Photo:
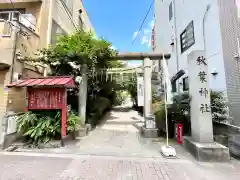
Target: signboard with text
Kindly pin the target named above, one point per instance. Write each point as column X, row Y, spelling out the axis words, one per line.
column 46, row 98
column 200, row 111
column 140, row 91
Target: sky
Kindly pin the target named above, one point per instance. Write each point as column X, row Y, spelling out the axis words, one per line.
column 118, row 21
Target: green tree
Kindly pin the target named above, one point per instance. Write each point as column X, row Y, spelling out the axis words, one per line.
column 131, row 86
column 78, row 49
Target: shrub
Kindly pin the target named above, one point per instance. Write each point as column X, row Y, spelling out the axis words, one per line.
column 159, row 112
column 218, row 107
column 41, row 128
column 180, row 110
column 181, row 105
column 96, row 111
column 74, row 122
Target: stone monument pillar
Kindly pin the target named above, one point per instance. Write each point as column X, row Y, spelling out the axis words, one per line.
column 201, row 143
column 200, row 111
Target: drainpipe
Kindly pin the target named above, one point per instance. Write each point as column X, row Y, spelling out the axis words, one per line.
column 14, row 33
column 203, row 26
column 49, row 30
column 176, row 38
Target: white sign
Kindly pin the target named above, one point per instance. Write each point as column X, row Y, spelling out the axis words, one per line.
column 140, row 91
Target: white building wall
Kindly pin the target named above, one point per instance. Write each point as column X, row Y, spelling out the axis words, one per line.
column 187, row 11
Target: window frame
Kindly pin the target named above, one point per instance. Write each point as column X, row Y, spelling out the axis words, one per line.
column 170, row 11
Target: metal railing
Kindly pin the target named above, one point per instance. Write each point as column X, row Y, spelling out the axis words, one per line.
column 14, row 19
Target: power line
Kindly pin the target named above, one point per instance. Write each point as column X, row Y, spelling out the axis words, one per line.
column 143, row 22
column 12, row 4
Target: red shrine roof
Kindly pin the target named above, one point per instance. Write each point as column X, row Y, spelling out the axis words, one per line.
column 49, row 81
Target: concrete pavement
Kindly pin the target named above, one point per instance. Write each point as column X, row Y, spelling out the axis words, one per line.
column 112, row 151
column 37, row 166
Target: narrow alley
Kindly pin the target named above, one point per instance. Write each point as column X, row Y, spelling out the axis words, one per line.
column 114, row 151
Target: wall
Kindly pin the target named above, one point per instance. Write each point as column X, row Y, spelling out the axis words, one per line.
column 230, row 33
column 61, row 17
column 87, row 23
column 186, row 11
column 4, row 78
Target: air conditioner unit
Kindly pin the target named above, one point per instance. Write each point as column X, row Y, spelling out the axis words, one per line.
column 28, row 20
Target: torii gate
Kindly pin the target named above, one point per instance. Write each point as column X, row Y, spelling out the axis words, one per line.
column 124, row 56
column 147, row 58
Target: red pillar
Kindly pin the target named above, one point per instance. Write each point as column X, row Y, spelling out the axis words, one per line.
column 64, row 116
column 64, row 121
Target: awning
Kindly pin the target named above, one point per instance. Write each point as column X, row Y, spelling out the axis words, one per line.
column 50, row 81
column 177, row 76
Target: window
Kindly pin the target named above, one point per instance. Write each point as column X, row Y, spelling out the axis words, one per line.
column 4, row 15
column 187, row 37
column 80, row 22
column 174, row 87
column 170, row 11
column 56, row 32
column 185, row 84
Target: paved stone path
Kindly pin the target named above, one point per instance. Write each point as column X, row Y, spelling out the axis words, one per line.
column 113, row 151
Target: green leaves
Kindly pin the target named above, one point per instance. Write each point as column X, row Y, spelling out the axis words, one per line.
column 44, row 126
column 218, row 105
column 74, row 122
column 79, row 48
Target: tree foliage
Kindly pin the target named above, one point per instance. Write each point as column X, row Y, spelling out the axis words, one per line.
column 67, row 57
column 75, row 50
column 181, row 105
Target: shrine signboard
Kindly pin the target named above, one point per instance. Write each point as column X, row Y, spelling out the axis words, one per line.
column 46, row 93
column 200, row 107
column 47, row 98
